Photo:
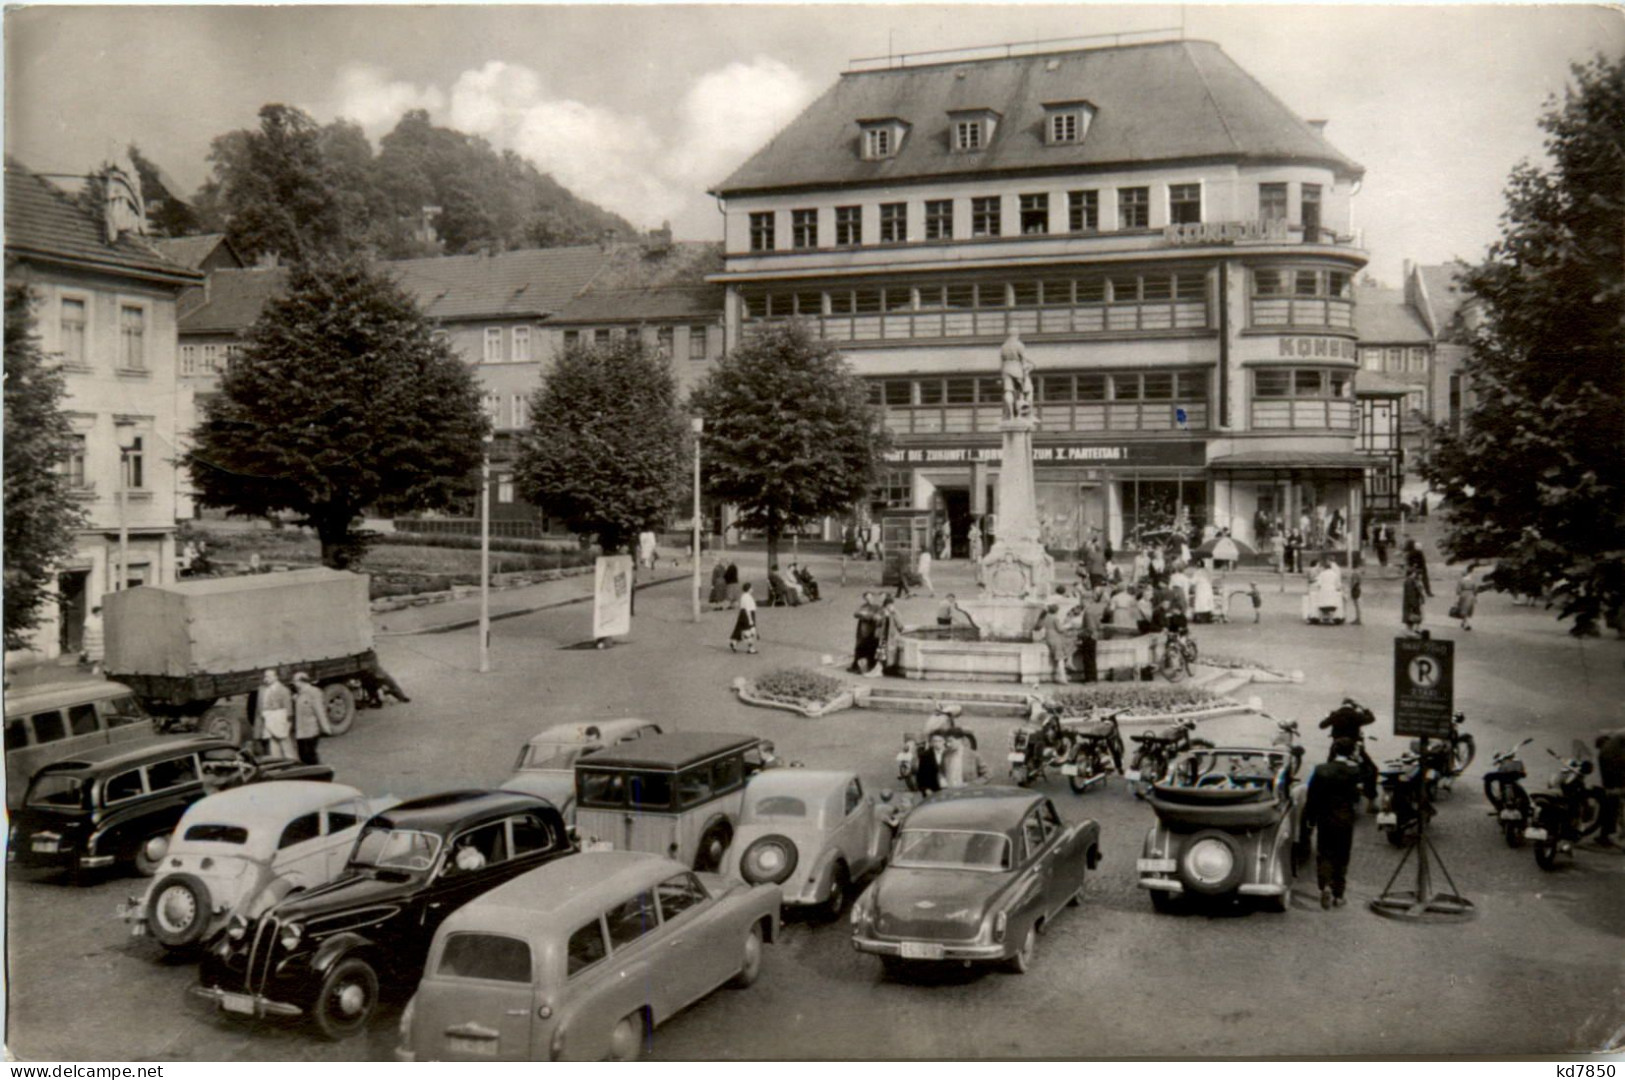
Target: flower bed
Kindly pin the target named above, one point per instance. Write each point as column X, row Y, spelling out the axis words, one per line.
column 809, row 693
column 1148, row 699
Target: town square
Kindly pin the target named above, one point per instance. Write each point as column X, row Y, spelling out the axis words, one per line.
column 1051, row 560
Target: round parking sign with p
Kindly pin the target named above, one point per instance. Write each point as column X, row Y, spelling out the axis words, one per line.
column 1424, row 672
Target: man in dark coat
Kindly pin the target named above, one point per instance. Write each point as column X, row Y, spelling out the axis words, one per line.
column 867, row 642
column 1332, row 809
column 1345, row 722
column 1415, row 560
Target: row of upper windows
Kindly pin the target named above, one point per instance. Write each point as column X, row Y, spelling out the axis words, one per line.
column 211, row 359
column 1050, row 388
column 72, row 467
column 972, row 130
column 1032, row 218
column 699, row 338
column 516, row 416
column 1409, row 360
column 1119, row 288
column 73, row 326
column 514, row 347
column 510, row 348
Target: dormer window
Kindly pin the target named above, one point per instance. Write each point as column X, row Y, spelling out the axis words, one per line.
column 972, row 129
column 1066, row 122
column 882, row 137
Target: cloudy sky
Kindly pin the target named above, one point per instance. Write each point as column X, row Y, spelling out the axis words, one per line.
column 642, row 107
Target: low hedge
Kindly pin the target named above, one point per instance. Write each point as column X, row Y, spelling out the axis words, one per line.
column 1136, row 697
column 570, row 553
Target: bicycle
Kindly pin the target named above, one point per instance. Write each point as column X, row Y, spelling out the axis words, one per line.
column 1178, row 655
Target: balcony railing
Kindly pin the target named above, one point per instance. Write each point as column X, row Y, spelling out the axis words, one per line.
column 1316, row 414
column 1302, row 311
column 1106, row 416
column 1114, row 318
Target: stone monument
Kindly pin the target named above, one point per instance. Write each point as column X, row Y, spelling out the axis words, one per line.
column 1017, row 567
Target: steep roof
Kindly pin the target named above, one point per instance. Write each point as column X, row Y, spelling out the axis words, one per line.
column 513, row 284
column 1445, row 296
column 1164, row 101
column 1382, row 315
column 191, row 251
column 41, row 220
column 651, row 284
column 233, row 300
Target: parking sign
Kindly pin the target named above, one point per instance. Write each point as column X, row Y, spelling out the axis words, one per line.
column 1424, row 687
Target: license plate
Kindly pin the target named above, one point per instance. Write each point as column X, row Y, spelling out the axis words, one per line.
column 47, row 847
column 237, row 1003
column 1015, row 758
column 1155, row 866
column 1131, row 775
column 1511, row 815
column 464, row 1044
column 1534, row 833
column 918, row 950
column 598, row 845
column 1384, row 820
column 1069, row 770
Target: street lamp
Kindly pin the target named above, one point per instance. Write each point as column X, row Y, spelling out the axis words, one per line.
column 698, row 426
column 128, row 441
column 485, row 556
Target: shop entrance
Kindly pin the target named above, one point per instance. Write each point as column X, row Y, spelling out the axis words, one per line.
column 956, row 505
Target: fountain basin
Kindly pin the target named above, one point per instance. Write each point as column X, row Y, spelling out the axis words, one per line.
column 958, row 654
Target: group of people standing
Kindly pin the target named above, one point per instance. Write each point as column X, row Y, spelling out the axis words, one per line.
column 289, row 722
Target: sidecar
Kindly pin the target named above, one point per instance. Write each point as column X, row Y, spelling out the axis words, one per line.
column 1226, row 820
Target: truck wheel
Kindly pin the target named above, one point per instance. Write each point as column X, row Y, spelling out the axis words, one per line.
column 222, row 725
column 340, row 708
column 347, row 999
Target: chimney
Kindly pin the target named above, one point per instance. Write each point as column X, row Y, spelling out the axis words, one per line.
column 1318, row 125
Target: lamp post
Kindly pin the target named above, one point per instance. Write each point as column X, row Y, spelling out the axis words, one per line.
column 698, row 425
column 485, row 557
column 126, row 446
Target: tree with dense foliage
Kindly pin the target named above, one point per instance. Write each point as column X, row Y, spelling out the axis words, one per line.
column 790, row 435
column 41, row 516
column 168, row 214
column 340, row 400
column 1535, row 478
column 605, row 451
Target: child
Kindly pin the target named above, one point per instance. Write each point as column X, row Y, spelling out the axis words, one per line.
column 1258, row 602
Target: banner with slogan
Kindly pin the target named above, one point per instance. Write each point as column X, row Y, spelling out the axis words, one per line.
column 612, row 596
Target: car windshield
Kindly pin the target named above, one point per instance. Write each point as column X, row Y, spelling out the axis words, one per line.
column 551, row 755
column 209, row 833
column 395, row 849
column 943, row 849
column 56, row 789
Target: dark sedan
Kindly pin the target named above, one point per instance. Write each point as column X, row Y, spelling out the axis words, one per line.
column 324, row 954
column 975, row 874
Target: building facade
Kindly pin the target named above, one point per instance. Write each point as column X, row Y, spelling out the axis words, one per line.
column 105, row 310
column 1173, row 246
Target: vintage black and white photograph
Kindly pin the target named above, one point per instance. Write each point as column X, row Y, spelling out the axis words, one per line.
column 814, row 532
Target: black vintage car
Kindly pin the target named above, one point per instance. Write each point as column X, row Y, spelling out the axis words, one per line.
column 118, row 804
column 323, row 954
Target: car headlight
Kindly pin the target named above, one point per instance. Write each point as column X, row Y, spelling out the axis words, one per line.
column 237, row 929
column 860, row 912
column 291, row 936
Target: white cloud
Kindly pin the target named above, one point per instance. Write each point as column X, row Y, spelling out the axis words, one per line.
column 368, row 96
column 620, row 161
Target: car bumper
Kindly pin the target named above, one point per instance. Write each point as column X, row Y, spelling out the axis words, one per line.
column 1171, row 885
column 971, row 951
column 238, row 1004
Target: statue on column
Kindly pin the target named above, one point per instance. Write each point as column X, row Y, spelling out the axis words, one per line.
column 1017, row 372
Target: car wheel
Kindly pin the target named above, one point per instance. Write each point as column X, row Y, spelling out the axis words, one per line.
column 750, row 963
column 340, row 703
column 712, row 847
column 1211, row 863
column 1022, row 961
column 839, row 886
column 1162, row 902
column 627, row 1040
column 347, row 999
column 149, row 854
column 178, row 909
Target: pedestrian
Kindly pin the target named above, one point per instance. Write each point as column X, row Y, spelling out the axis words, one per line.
column 1411, row 610
column 928, row 764
column 949, row 608
column 1415, row 560
column 1466, row 597
column 1144, row 612
column 865, row 641
column 1096, row 563
column 1258, row 602
column 744, row 632
column 273, row 718
column 1355, row 578
column 647, row 555
column 93, row 649
column 1289, row 552
column 730, row 583
column 1346, row 722
column 849, row 541
column 1142, row 567
column 1201, row 596
column 309, row 717
column 1332, row 809
column 1090, row 629
column 975, row 542
column 924, row 568
column 1157, row 569
column 891, row 639
column 719, row 585
column 1381, row 539
column 1611, row 774
column 378, row 682
column 961, row 765
column 1049, row 625
column 945, row 544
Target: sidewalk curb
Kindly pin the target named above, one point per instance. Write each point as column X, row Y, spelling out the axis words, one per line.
column 514, row 613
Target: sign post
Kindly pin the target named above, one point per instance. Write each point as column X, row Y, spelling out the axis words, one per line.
column 611, row 597
column 1424, row 708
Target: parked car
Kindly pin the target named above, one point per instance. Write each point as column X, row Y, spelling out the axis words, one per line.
column 546, row 764
column 1226, row 821
column 813, row 833
column 323, row 954
column 48, row 723
column 582, row 958
column 118, row 804
column 676, row 795
column 975, row 874
column 238, row 852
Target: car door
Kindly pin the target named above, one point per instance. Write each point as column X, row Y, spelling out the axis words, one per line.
column 1036, row 879
column 476, row 860
column 1068, row 861
column 342, row 824
column 854, row 836
column 301, row 852
column 691, row 960
column 637, row 943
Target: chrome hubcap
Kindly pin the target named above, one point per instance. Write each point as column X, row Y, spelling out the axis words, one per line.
column 351, row 999
column 176, row 909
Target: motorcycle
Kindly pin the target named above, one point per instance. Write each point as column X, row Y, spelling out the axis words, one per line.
column 1038, row 745
column 1461, row 749
column 1568, row 812
column 1409, row 783
column 1097, row 749
column 1503, row 787
column 1156, row 751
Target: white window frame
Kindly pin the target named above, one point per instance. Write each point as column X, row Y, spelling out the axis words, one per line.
column 124, row 305
column 492, row 353
column 517, row 406
column 699, row 335
column 521, row 345
column 189, row 359
column 969, row 135
column 491, row 402
column 1201, row 199
column 84, row 302
column 877, row 143
column 1063, row 127
column 505, row 488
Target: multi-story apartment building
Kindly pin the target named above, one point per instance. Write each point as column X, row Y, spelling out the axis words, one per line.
column 1173, row 245
column 105, row 311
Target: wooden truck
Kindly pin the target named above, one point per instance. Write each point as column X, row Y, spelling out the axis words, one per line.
column 186, row 646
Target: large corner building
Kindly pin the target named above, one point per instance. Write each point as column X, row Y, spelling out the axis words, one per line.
column 1175, row 247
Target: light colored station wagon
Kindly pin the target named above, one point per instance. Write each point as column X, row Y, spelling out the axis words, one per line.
column 582, row 958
